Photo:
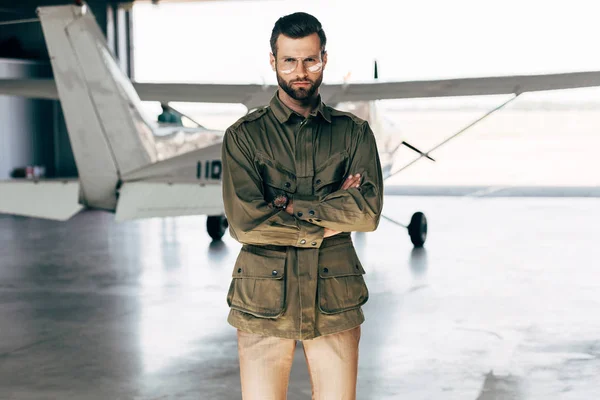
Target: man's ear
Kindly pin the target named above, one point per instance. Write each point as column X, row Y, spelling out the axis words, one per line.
column 324, row 59
column 272, row 61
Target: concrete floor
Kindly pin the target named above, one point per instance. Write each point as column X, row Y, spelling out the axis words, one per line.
column 502, row 304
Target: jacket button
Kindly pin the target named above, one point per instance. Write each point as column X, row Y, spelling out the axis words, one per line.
column 314, row 243
column 274, row 273
column 239, row 270
column 300, row 213
column 311, row 212
column 302, row 241
column 326, row 270
column 318, row 181
column 287, row 184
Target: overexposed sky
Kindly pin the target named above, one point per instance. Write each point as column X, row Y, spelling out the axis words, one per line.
column 228, row 41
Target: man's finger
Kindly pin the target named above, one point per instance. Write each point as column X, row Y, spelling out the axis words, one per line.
column 330, row 232
column 357, row 176
column 348, row 182
column 352, row 181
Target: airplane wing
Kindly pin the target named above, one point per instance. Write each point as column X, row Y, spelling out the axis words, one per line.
column 247, row 94
column 253, row 95
column 185, row 185
column 257, row 95
column 461, row 87
column 147, row 199
column 188, row 184
column 58, row 199
column 51, row 199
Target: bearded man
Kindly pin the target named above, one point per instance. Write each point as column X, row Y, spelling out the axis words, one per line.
column 298, row 177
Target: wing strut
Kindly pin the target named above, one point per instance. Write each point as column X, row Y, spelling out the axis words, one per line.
column 417, row 229
column 426, row 154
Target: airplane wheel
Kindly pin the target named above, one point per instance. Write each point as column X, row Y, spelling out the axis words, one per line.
column 216, row 225
column 417, row 229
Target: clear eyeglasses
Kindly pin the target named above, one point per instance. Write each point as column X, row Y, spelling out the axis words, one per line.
column 289, row 64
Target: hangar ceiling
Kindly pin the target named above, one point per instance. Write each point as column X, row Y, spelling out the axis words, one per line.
column 26, row 40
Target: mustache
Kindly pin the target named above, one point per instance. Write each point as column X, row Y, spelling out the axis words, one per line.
column 301, row 80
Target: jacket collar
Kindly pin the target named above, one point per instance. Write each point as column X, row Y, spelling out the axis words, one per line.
column 283, row 112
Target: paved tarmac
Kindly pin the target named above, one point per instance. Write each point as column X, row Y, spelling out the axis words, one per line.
column 502, row 303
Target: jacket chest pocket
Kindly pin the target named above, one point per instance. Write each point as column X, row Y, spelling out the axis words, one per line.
column 276, row 178
column 341, row 286
column 258, row 284
column 330, row 175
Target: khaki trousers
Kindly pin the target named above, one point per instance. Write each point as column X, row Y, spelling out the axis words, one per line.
column 265, row 364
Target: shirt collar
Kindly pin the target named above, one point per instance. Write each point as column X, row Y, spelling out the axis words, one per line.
column 283, row 112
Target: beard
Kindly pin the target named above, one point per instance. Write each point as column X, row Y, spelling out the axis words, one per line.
column 302, row 94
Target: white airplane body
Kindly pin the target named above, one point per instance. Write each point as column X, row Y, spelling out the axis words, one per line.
column 126, row 164
column 129, row 165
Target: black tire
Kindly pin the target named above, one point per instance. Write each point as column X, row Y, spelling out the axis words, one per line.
column 216, row 226
column 417, row 229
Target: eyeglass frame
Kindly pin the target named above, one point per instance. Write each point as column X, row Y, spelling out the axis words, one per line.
column 303, row 59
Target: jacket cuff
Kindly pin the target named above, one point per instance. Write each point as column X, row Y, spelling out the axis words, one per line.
column 310, row 236
column 306, row 209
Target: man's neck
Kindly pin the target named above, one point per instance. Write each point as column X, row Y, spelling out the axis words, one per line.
column 303, row 108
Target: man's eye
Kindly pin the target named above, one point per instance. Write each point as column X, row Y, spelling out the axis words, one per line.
column 310, row 59
column 289, row 59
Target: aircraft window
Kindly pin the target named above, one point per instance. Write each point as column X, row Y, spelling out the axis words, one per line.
column 188, row 123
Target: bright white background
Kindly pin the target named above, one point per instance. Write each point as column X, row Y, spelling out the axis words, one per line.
column 228, row 42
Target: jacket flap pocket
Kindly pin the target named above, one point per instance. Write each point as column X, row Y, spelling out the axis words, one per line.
column 331, row 171
column 275, row 175
column 338, row 261
column 258, row 284
column 254, row 262
column 341, row 286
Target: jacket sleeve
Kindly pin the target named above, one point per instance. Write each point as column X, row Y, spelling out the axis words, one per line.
column 251, row 219
column 355, row 209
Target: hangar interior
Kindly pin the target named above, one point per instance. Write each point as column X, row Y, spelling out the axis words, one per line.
column 33, row 132
column 501, row 304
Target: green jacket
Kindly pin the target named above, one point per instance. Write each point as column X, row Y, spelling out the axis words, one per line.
column 288, row 281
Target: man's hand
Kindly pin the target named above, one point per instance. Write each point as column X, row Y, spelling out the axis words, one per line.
column 290, row 207
column 353, row 181
column 329, row 232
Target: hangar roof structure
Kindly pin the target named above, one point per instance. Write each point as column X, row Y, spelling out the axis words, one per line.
column 25, row 40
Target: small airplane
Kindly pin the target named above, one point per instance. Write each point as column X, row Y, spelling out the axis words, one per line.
column 136, row 168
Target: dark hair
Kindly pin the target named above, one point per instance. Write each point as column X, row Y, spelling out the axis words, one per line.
column 295, row 26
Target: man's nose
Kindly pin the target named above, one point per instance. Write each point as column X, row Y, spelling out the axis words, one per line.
column 301, row 71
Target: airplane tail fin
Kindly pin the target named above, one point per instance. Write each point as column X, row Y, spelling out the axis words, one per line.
column 108, row 133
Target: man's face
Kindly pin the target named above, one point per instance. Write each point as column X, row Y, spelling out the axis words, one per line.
column 301, row 84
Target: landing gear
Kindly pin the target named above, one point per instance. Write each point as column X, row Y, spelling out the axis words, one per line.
column 216, row 225
column 417, row 229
